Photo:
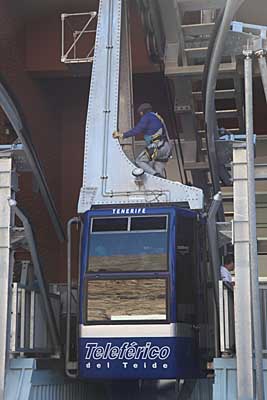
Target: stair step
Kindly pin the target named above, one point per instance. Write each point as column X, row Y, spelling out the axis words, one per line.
column 198, row 29
column 221, row 114
column 196, row 51
column 204, row 166
column 226, row 70
column 219, row 94
column 193, row 5
column 232, row 130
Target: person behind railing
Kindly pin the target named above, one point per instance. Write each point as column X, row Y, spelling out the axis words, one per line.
column 226, row 270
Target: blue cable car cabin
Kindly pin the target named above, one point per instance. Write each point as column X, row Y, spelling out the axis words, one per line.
column 140, row 294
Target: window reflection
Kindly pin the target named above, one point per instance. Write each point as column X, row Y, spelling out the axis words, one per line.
column 127, row 299
column 128, row 251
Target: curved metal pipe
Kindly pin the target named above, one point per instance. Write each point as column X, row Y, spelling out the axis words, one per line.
column 210, row 112
column 15, row 117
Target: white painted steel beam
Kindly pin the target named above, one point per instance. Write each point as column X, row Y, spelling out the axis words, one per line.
column 243, row 312
column 5, row 220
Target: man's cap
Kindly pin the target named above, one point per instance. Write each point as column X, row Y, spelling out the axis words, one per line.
column 145, row 107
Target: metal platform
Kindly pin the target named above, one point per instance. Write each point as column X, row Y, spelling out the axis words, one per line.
column 30, row 379
column 225, row 383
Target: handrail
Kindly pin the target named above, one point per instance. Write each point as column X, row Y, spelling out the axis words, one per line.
column 226, row 301
column 28, row 327
column 214, row 260
column 39, row 276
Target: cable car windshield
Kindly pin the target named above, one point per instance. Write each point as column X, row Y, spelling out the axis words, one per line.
column 128, row 244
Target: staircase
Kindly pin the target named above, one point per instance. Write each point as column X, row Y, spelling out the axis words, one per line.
column 184, row 65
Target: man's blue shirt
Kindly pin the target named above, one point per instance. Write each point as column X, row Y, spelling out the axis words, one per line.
column 149, row 124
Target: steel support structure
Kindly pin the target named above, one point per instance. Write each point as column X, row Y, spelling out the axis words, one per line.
column 103, row 182
column 252, row 225
column 246, row 257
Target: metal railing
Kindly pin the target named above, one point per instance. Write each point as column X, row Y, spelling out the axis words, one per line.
column 226, row 305
column 227, row 321
column 263, row 305
column 29, row 327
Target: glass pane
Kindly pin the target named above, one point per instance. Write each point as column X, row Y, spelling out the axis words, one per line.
column 148, row 223
column 109, row 224
column 124, row 300
column 128, row 251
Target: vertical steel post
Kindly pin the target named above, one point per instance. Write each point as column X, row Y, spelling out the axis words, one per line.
column 5, row 219
column 252, row 225
column 242, row 304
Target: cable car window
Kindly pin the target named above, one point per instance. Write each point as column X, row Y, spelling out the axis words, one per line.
column 126, row 300
column 109, row 224
column 148, row 223
column 128, row 251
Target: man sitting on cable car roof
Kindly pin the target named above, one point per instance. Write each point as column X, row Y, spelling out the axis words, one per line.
column 158, row 149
